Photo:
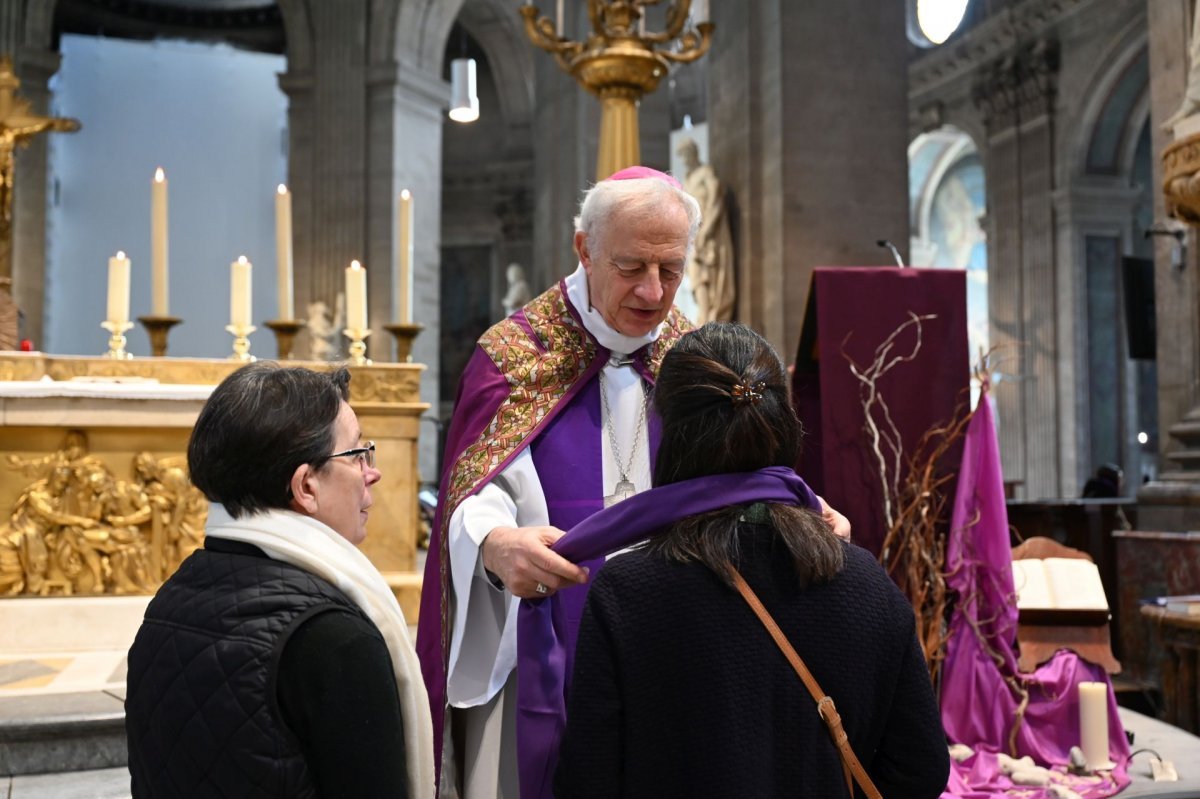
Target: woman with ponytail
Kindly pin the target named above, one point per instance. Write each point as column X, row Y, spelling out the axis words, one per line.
column 677, row 689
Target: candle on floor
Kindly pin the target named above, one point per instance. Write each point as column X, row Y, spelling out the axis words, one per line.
column 1093, row 723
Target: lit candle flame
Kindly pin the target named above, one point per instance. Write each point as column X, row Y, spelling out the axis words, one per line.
column 405, row 194
column 159, row 175
column 241, row 259
column 282, row 189
column 355, row 265
column 120, row 254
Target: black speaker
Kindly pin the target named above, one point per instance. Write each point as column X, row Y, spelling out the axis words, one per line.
column 1138, row 275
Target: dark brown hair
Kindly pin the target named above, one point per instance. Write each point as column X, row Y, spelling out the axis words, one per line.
column 258, row 426
column 723, row 400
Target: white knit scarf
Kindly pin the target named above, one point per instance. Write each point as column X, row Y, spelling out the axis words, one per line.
column 311, row 545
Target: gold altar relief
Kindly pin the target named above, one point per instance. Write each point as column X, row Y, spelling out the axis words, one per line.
column 79, row 529
column 371, row 386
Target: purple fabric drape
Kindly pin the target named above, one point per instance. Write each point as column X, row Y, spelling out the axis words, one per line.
column 980, row 679
column 546, row 639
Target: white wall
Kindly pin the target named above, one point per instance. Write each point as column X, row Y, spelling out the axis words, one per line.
column 213, row 117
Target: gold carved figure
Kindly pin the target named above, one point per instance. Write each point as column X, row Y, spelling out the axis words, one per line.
column 78, row 529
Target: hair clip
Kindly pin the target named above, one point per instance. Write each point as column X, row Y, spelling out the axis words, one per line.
column 748, row 395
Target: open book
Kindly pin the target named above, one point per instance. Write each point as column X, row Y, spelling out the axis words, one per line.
column 1051, row 589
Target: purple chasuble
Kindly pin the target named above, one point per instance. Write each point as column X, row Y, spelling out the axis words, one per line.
column 498, row 414
column 548, row 628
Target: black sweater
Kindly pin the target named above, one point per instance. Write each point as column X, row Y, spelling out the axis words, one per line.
column 678, row 690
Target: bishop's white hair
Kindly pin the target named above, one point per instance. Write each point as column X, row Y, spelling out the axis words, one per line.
column 644, row 195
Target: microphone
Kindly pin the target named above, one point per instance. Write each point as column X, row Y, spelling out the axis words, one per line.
column 895, row 252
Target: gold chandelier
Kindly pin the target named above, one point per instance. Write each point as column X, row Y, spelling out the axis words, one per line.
column 620, row 61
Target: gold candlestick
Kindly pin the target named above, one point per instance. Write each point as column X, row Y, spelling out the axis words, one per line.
column 158, row 327
column 285, row 332
column 404, row 335
column 116, row 340
column 619, row 63
column 241, row 342
column 358, row 346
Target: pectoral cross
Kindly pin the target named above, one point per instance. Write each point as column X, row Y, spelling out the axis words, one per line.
column 622, row 491
column 18, row 124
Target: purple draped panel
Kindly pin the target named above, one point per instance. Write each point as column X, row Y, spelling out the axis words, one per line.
column 978, row 694
column 852, row 311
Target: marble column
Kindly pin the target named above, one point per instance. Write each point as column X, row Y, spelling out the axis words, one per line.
column 808, row 124
column 34, row 66
column 1016, row 97
column 1173, row 501
column 361, row 129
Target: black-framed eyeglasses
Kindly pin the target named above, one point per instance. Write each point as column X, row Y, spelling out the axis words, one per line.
column 364, row 456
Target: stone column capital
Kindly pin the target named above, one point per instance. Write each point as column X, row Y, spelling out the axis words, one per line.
column 1018, row 87
column 295, row 82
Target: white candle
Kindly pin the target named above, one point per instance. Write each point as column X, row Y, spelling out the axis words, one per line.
column 239, row 294
column 283, row 251
column 558, row 25
column 356, row 296
column 158, row 244
column 118, row 289
column 700, row 11
column 1093, row 723
column 402, row 280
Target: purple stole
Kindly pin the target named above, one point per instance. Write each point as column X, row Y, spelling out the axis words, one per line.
column 548, row 628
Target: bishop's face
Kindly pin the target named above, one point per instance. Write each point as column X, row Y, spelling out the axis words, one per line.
column 634, row 265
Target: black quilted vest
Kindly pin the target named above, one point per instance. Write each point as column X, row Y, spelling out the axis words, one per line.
column 200, row 711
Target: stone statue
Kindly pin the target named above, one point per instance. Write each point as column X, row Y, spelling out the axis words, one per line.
column 324, row 333
column 518, row 290
column 1191, row 95
column 710, row 268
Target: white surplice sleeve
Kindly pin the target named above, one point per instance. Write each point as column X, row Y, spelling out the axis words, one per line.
column 483, row 645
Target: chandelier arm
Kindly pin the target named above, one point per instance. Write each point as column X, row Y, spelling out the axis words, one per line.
column 677, row 16
column 692, row 45
column 595, row 14
column 541, row 32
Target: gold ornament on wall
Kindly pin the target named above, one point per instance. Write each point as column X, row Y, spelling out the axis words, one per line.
column 78, row 529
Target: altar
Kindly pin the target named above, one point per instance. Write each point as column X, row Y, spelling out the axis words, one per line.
column 94, row 495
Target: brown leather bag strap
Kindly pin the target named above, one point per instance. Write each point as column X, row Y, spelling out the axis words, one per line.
column 825, row 706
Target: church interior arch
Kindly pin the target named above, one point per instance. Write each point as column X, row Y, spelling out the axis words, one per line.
column 947, row 196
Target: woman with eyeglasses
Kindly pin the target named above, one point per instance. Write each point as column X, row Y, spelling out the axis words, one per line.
column 276, row 662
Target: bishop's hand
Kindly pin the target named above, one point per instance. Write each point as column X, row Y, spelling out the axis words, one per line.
column 521, row 557
column 836, row 521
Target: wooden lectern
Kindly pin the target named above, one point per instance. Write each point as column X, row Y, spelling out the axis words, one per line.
column 1041, row 633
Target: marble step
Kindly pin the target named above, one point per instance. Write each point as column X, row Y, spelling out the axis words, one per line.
column 54, row 733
